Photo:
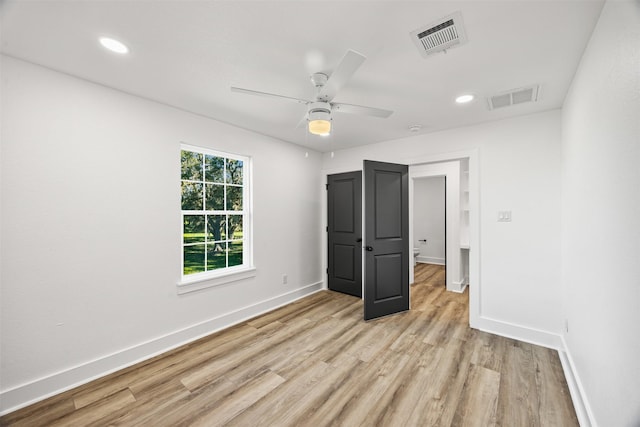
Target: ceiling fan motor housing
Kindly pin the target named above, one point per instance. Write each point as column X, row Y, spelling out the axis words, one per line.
column 319, row 79
column 319, row 111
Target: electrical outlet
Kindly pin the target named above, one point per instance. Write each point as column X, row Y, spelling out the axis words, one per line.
column 284, row 279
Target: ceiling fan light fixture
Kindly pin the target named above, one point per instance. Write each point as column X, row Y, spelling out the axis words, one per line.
column 320, row 121
column 320, row 127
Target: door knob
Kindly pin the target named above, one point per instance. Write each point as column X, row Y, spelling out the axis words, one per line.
column 369, row 248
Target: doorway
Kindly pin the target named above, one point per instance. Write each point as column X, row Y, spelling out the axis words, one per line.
column 467, row 239
column 452, row 171
column 429, row 220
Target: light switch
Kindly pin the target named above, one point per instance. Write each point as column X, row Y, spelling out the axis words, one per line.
column 504, row 216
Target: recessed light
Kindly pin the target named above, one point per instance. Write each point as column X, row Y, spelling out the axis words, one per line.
column 114, row 45
column 463, row 99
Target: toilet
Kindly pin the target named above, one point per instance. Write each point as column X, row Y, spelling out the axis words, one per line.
column 416, row 252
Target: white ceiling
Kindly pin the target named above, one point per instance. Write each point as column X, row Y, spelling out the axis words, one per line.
column 188, row 54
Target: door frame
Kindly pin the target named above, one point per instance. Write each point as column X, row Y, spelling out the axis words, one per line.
column 472, row 155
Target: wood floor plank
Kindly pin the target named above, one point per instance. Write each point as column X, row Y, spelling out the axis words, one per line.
column 192, row 406
column 216, row 367
column 181, row 362
column 406, row 397
column 518, row 398
column 431, row 406
column 477, row 407
column 352, row 380
column 297, row 414
column 41, row 413
column 287, row 311
column 150, row 408
column 315, row 362
column 490, row 350
column 369, row 402
column 96, row 411
column 552, row 388
column 240, row 400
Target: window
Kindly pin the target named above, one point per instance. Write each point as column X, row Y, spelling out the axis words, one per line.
column 215, row 213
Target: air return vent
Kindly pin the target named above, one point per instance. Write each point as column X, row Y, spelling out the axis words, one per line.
column 440, row 35
column 513, row 97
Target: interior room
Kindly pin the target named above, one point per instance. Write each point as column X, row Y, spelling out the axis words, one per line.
column 170, row 172
column 429, row 220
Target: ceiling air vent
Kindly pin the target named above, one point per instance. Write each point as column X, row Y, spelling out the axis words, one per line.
column 440, row 35
column 514, row 96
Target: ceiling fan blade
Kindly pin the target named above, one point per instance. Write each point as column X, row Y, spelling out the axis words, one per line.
column 268, row 95
column 351, row 61
column 303, row 121
column 359, row 109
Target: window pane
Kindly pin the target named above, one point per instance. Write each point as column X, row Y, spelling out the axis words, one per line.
column 191, row 196
column 234, row 198
column 214, row 168
column 235, row 253
column 191, row 165
column 193, row 259
column 216, row 228
column 234, row 171
column 235, row 227
column 216, row 255
column 214, row 197
column 193, row 229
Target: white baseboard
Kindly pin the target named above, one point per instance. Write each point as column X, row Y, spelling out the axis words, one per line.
column 42, row 388
column 518, row 332
column 430, row 260
column 579, row 398
column 459, row 286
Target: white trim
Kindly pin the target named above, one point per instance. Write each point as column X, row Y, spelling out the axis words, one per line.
column 578, row 396
column 50, row 385
column 204, row 282
column 430, row 260
column 518, row 332
column 209, row 151
column 459, row 287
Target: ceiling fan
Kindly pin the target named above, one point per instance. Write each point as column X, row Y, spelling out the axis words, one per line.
column 319, row 111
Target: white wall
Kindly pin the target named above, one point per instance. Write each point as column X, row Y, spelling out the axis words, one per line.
column 428, row 219
column 91, row 230
column 518, row 290
column 601, row 218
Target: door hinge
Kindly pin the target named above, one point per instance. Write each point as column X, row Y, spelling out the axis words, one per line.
column 327, row 270
column 327, row 228
column 326, row 186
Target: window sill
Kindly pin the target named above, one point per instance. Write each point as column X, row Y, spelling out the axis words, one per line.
column 191, row 284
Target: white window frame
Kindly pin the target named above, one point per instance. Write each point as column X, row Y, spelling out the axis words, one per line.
column 206, row 279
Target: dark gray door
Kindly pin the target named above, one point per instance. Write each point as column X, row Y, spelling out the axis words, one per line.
column 386, row 217
column 344, row 193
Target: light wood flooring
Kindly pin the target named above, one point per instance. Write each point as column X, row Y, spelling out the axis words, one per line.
column 316, row 362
